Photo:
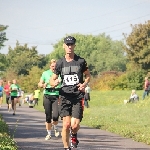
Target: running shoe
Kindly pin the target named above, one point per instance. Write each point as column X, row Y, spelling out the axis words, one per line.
column 74, row 141
column 67, row 148
column 48, row 137
column 56, row 132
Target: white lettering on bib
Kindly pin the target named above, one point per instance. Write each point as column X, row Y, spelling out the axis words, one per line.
column 71, row 79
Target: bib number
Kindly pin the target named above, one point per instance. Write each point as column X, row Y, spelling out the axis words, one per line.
column 71, row 79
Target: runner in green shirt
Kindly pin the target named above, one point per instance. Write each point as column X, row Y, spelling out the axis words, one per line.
column 50, row 100
column 14, row 91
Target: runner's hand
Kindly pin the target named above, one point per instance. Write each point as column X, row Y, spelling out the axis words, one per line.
column 44, row 85
column 81, row 87
column 56, row 82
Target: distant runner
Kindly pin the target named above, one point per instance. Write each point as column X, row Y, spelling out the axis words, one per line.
column 1, row 93
column 7, row 92
column 36, row 96
column 14, row 91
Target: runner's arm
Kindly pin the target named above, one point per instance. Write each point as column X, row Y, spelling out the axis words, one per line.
column 42, row 84
column 87, row 77
column 82, row 86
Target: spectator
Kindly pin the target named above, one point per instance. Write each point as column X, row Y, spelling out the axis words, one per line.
column 134, row 97
column 146, row 87
column 87, row 96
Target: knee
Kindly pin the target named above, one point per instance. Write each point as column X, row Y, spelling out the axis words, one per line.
column 66, row 125
column 74, row 126
column 55, row 117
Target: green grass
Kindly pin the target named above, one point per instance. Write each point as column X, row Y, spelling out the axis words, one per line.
column 108, row 112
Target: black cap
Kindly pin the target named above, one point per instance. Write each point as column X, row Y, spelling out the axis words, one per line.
column 69, row 40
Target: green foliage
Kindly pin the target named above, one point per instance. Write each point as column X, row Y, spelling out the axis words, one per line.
column 108, row 112
column 104, row 80
column 2, row 35
column 43, row 60
column 3, row 62
column 22, row 59
column 119, row 80
column 6, row 141
column 29, row 82
column 130, row 80
column 138, row 45
column 100, row 52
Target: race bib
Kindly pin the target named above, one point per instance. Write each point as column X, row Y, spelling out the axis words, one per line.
column 71, row 79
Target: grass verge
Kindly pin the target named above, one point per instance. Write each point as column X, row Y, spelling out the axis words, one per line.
column 108, row 112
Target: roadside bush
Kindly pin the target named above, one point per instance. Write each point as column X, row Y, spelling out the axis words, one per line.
column 112, row 80
column 6, row 141
column 129, row 80
column 104, row 80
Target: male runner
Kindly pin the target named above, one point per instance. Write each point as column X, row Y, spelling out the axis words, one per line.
column 50, row 100
column 7, row 92
column 71, row 69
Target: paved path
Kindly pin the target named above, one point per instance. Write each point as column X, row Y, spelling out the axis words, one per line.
column 30, row 133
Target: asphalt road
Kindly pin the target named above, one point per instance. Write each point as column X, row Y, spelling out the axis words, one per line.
column 29, row 132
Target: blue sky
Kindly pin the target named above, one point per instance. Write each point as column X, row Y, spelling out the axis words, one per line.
column 42, row 23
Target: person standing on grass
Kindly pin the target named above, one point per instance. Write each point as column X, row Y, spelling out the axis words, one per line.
column 87, row 96
column 14, row 91
column 50, row 100
column 7, row 92
column 146, row 88
column 71, row 68
column 36, row 95
column 1, row 93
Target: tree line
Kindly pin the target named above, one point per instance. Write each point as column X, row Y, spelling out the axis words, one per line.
column 130, row 56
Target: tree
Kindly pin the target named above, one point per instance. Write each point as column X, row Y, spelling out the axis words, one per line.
column 138, row 46
column 22, row 58
column 30, row 82
column 2, row 35
column 3, row 62
column 100, row 52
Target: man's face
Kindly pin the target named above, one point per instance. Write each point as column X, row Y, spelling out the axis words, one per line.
column 52, row 66
column 69, row 48
column 9, row 82
column 14, row 81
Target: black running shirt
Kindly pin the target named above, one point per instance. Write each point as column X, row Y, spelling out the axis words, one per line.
column 71, row 74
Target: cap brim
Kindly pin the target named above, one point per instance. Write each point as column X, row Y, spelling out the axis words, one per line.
column 69, row 42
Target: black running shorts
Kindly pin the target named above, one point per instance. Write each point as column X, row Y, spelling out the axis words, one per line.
column 13, row 97
column 50, row 103
column 8, row 99
column 71, row 107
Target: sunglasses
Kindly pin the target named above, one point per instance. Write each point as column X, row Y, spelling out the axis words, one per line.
column 70, row 44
